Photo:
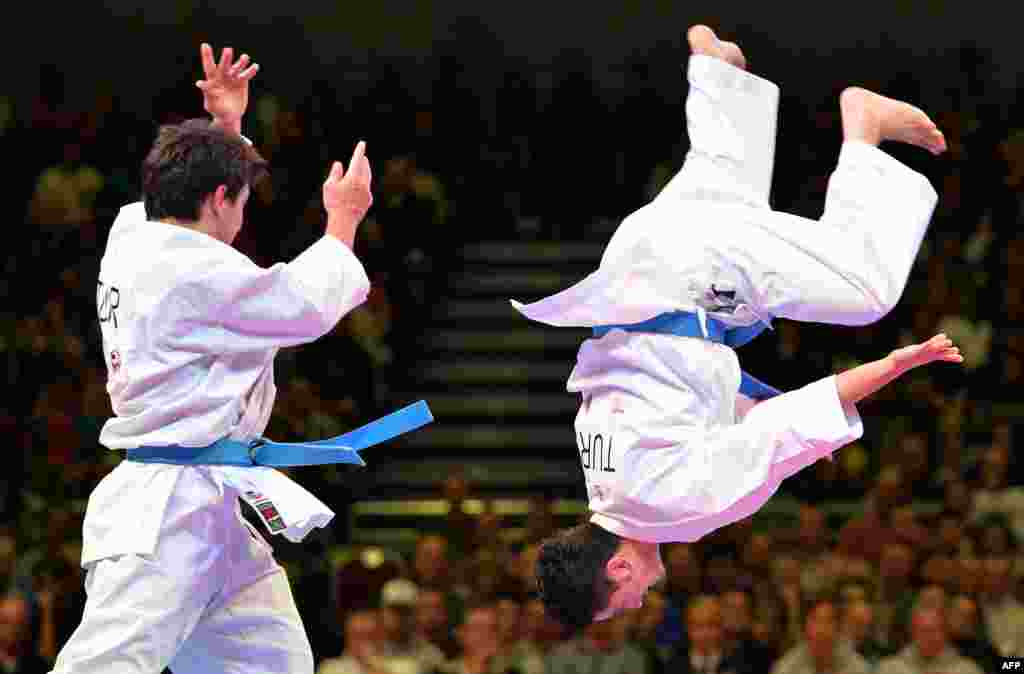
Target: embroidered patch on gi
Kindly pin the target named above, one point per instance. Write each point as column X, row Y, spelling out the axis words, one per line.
column 267, row 511
column 718, row 300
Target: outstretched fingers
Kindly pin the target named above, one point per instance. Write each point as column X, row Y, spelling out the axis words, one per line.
column 941, row 347
column 226, row 58
column 209, row 66
column 239, row 65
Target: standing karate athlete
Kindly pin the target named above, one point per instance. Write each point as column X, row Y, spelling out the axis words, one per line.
column 175, row 576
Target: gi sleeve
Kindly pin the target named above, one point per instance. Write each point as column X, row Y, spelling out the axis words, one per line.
column 742, row 464
column 248, row 307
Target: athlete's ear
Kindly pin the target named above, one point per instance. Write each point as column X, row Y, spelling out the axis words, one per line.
column 219, row 198
column 619, row 569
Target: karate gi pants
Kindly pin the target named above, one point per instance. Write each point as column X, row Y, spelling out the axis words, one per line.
column 210, row 599
column 849, row 267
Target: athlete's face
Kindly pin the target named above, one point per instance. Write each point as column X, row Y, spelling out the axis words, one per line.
column 634, row 570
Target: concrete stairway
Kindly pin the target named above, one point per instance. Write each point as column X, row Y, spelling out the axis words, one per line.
column 494, row 380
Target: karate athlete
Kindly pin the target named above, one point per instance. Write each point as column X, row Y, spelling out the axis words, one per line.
column 175, row 576
column 667, row 452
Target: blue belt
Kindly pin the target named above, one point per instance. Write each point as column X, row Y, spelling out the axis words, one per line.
column 262, row 452
column 687, row 324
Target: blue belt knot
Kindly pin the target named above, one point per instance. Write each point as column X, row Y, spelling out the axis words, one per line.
column 689, row 324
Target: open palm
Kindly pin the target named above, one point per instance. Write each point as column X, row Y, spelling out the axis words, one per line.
column 938, row 347
column 226, row 87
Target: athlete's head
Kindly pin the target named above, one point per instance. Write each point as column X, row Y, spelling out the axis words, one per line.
column 197, row 173
column 588, row 574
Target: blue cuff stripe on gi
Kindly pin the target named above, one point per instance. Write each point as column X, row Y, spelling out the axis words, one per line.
column 687, row 324
column 341, row 449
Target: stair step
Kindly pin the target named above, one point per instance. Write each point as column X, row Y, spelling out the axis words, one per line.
column 494, row 437
column 445, row 405
column 533, row 252
column 484, row 473
column 494, row 341
column 498, row 371
column 470, row 310
column 513, row 284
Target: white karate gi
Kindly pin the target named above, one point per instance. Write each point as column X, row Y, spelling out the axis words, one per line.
column 675, row 459
column 175, row 576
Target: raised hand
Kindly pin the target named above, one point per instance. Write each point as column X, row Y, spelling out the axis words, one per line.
column 938, row 347
column 347, row 196
column 226, row 87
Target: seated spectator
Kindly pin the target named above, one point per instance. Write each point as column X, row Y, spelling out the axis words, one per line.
column 432, row 640
column 479, row 641
column 601, row 648
column 938, row 569
column 17, row 650
column 541, row 633
column 857, row 627
column 787, row 578
column 929, row 651
column 704, row 651
column 365, row 649
column 895, row 594
column 821, row 650
column 1003, row 614
column 994, row 495
column 968, row 635
column 737, row 631
column 863, row 535
column 948, row 534
column 684, row 580
column 516, row 653
column 969, row 578
column 398, row 603
column 645, row 632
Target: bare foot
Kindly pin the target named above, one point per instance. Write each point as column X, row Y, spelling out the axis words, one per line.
column 704, row 41
column 872, row 118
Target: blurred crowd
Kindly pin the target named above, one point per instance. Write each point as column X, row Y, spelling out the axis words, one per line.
column 927, row 572
column 890, row 590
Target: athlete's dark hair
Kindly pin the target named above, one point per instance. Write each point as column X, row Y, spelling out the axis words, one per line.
column 571, row 577
column 188, row 162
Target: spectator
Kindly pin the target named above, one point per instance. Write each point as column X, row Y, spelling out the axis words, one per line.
column 857, row 628
column 1004, row 615
column 431, row 564
column 398, row 602
column 704, row 651
column 479, row 644
column 994, row 495
column 821, row 650
column 541, row 634
column 366, row 649
column 432, row 640
column 645, row 632
column 516, row 652
column 967, row 633
column 930, row 651
column 895, row 594
column 17, row 650
column 602, row 649
column 738, row 640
